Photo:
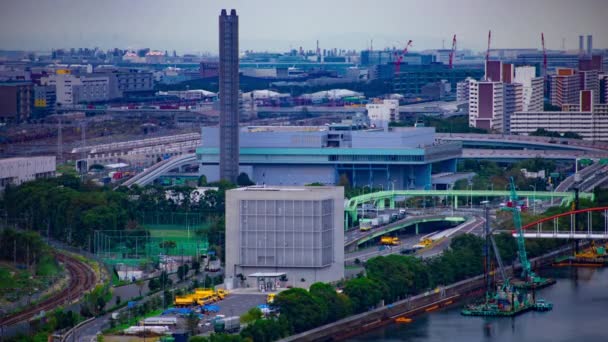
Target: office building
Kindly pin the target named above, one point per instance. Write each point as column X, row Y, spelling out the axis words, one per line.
column 289, row 235
column 403, row 158
column 16, row 101
column 45, row 98
column 229, row 95
column 381, row 114
column 209, row 69
column 134, row 81
column 586, row 118
column 15, row 171
column 533, row 88
column 486, row 105
column 412, row 78
column 72, row 89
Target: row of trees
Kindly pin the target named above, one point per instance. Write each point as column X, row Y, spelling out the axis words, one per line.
column 26, row 248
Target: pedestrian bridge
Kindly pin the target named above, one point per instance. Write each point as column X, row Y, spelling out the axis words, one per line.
column 380, row 198
column 590, row 223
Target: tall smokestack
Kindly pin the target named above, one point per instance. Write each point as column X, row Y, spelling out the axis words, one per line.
column 589, row 44
column 581, row 45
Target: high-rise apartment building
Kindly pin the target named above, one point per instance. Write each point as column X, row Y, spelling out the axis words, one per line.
column 533, row 88
column 486, row 105
column 229, row 95
column 565, row 87
column 462, row 89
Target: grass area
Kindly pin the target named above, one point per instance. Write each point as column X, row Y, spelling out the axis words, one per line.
column 67, row 169
column 47, row 266
column 6, row 279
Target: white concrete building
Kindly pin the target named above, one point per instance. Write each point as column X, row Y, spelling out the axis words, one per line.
column 462, row 89
column 380, row 114
column 486, row 105
column 73, row 89
column 588, row 119
column 533, row 88
column 296, row 231
column 19, row 170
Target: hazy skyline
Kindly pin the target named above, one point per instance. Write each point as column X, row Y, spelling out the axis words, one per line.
column 274, row 25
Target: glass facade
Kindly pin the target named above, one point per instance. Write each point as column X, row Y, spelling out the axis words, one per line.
column 286, row 233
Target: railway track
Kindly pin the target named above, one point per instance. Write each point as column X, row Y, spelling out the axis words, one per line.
column 82, row 278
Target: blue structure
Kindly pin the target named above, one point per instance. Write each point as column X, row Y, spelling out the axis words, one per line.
column 403, row 158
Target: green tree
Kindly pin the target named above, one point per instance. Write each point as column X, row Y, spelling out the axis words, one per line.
column 167, row 245
column 243, row 180
column 364, row 293
column 343, row 181
column 403, row 275
column 192, row 323
column 301, row 309
column 266, row 330
column 338, row 305
column 181, row 272
column 251, row 316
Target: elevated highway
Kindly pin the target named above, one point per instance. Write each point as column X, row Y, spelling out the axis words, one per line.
column 355, row 237
column 149, row 175
column 516, row 155
column 523, row 141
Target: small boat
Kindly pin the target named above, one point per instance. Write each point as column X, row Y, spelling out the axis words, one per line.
column 403, row 320
column 542, row 305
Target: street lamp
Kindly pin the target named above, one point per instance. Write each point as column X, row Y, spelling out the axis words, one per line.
column 534, row 199
column 471, row 195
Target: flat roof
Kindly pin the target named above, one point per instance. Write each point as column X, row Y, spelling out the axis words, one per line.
column 284, row 188
column 267, row 274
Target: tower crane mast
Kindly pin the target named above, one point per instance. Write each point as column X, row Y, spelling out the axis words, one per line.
column 400, row 57
column 453, row 52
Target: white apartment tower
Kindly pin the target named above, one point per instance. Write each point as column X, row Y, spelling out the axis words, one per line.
column 533, row 88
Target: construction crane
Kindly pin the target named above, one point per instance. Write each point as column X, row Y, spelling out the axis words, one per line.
column 489, row 40
column 400, row 57
column 531, row 280
column 453, row 52
column 542, row 39
column 491, row 242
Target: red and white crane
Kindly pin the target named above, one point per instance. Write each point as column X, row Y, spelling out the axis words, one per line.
column 453, row 52
column 400, row 57
column 542, row 38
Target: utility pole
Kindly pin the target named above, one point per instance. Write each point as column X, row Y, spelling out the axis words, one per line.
column 59, row 142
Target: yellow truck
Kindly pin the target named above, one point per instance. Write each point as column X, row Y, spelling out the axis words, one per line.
column 389, row 240
column 186, row 300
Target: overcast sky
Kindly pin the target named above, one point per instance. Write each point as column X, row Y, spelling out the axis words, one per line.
column 277, row 25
